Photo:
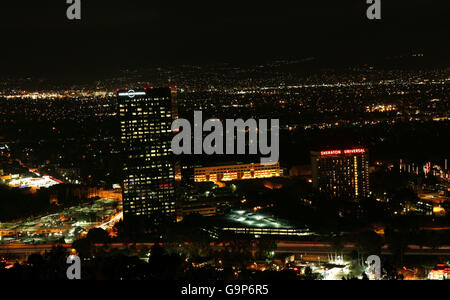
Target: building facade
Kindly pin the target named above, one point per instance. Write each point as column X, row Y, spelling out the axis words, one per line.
column 146, row 118
column 236, row 172
column 341, row 173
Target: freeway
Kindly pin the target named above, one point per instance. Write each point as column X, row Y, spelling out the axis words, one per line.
column 283, row 247
column 323, row 248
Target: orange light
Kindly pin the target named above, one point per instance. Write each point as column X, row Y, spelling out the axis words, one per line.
column 438, row 210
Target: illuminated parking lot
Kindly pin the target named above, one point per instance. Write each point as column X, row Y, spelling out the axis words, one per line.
column 40, row 182
column 67, row 225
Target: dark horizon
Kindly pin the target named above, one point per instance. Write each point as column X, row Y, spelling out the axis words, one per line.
column 113, row 35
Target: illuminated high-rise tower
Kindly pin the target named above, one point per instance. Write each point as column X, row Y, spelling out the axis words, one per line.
column 341, row 173
column 146, row 117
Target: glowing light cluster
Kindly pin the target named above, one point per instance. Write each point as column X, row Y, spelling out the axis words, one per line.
column 43, row 182
column 381, row 108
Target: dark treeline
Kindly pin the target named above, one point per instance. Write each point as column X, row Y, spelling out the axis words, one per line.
column 15, row 203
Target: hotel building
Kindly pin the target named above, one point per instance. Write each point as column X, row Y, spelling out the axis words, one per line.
column 341, row 173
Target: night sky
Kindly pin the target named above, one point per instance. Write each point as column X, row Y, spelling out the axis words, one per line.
column 36, row 37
